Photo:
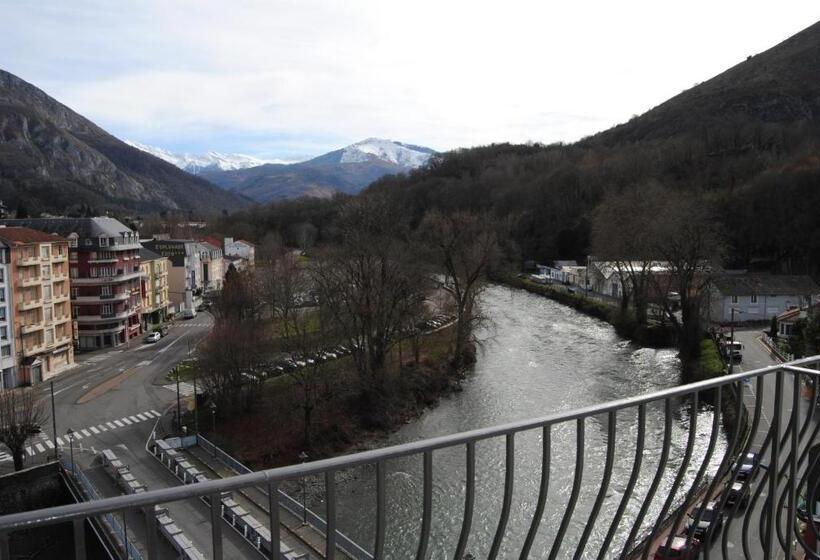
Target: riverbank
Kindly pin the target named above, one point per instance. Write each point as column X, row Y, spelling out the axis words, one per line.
column 272, row 432
column 654, row 336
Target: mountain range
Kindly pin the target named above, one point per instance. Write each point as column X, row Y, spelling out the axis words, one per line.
column 55, row 160
column 347, row 170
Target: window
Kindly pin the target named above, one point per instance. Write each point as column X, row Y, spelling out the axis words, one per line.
column 103, row 241
column 734, row 299
column 72, row 242
column 47, row 292
column 2, row 295
column 73, row 272
column 754, row 299
column 6, row 350
column 4, row 333
column 2, row 313
column 45, row 251
column 106, row 309
column 88, row 241
column 49, row 336
column 75, row 311
column 105, row 291
column 2, row 274
column 48, row 312
column 45, row 271
column 75, row 292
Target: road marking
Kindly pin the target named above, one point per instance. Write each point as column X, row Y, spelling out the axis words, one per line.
column 144, row 363
column 112, row 426
column 77, row 435
column 102, row 427
column 60, row 441
column 155, row 413
column 134, row 419
column 126, row 420
column 95, row 430
column 29, row 451
column 86, row 433
column 141, row 417
column 39, row 447
column 50, row 444
column 118, row 423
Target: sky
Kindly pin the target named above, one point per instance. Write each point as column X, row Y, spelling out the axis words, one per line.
column 287, row 80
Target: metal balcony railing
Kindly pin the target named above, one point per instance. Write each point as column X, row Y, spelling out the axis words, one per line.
column 761, row 507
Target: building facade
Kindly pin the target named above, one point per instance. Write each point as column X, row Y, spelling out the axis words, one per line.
column 212, row 265
column 8, row 354
column 154, row 288
column 104, row 266
column 759, row 297
column 240, row 248
column 40, row 306
column 185, row 285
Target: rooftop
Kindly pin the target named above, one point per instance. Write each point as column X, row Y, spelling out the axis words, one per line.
column 147, row 255
column 24, row 235
column 100, row 226
column 765, row 284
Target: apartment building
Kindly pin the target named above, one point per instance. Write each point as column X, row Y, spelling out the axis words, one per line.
column 213, row 267
column 154, row 288
column 8, row 355
column 185, row 285
column 104, row 266
column 41, row 328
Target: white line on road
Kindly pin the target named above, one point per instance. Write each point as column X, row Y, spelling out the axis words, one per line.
column 126, row 420
column 59, row 441
column 155, row 413
column 29, row 451
column 86, row 433
column 95, row 430
column 134, row 419
column 102, row 427
column 77, row 435
column 50, row 444
column 39, row 447
column 112, row 426
column 118, row 423
column 141, row 417
column 170, row 344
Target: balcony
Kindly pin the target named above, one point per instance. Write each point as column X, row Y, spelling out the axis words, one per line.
column 28, row 261
column 666, row 481
column 106, row 317
column 30, row 304
column 25, row 281
column 120, row 296
column 100, row 280
column 28, row 329
column 59, row 258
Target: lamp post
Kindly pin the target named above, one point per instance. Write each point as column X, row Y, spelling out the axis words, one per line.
column 70, row 435
column 213, row 417
column 54, row 423
column 304, row 457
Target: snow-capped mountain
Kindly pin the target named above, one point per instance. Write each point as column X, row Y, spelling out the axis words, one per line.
column 404, row 155
column 346, row 170
column 197, row 163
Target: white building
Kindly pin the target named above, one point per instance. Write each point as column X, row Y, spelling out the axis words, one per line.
column 759, row 297
column 240, row 248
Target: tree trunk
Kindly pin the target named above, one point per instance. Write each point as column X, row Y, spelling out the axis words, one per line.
column 17, row 456
column 308, row 412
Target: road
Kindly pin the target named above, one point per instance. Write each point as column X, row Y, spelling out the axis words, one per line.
column 112, row 400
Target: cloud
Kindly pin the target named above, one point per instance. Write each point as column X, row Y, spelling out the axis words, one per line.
column 296, row 78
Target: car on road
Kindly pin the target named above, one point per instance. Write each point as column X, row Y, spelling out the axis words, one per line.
column 677, row 549
column 710, row 517
column 747, row 466
column 163, row 330
column 153, row 337
column 188, row 313
column 738, row 494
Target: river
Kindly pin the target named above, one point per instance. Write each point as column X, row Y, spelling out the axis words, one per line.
column 537, row 357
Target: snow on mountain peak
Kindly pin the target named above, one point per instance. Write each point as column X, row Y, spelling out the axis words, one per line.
column 386, row 150
column 195, row 163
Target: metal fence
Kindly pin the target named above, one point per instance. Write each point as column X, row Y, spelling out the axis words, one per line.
column 108, row 518
column 769, row 513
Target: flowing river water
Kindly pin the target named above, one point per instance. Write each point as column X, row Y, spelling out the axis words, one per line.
column 538, row 357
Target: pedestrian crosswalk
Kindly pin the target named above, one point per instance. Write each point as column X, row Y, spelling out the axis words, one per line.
column 189, row 324
column 185, row 389
column 43, row 443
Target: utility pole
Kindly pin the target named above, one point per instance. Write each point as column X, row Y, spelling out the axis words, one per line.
column 196, row 408
column 54, row 423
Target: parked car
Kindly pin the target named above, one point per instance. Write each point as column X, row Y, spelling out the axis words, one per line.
column 710, row 517
column 153, row 337
column 747, row 466
column 738, row 494
column 163, row 330
column 678, row 550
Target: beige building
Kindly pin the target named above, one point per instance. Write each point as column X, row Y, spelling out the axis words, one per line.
column 40, row 296
column 155, row 296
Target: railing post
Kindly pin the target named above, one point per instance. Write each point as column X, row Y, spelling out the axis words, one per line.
column 774, row 465
column 5, row 553
column 273, row 519
column 216, row 527
column 330, row 537
column 792, row 485
column 150, row 532
column 79, row 539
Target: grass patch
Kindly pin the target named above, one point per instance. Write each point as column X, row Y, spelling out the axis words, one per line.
column 711, row 364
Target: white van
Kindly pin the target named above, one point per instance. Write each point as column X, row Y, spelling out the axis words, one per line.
column 188, row 313
column 734, row 351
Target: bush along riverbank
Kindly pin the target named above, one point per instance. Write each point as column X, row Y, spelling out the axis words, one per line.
column 655, row 336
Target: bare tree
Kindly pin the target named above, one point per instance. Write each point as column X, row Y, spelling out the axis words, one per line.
column 370, row 284
column 20, row 418
column 228, row 358
column 464, row 245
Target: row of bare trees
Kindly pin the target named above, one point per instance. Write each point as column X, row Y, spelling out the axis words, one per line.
column 665, row 247
column 366, row 291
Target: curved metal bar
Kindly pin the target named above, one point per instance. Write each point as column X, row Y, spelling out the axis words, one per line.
column 810, row 499
column 576, row 488
column 630, row 486
column 755, row 497
column 469, row 502
column 381, row 489
column 650, row 493
column 746, row 483
column 804, row 454
column 789, row 464
column 717, row 479
column 607, row 476
column 704, row 466
column 687, row 456
column 427, row 513
column 509, row 478
column 774, row 466
column 546, row 448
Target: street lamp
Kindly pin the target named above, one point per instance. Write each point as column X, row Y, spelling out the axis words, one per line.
column 70, row 435
column 304, row 457
column 213, row 417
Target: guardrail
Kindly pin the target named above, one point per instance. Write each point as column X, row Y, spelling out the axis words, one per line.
column 770, row 525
